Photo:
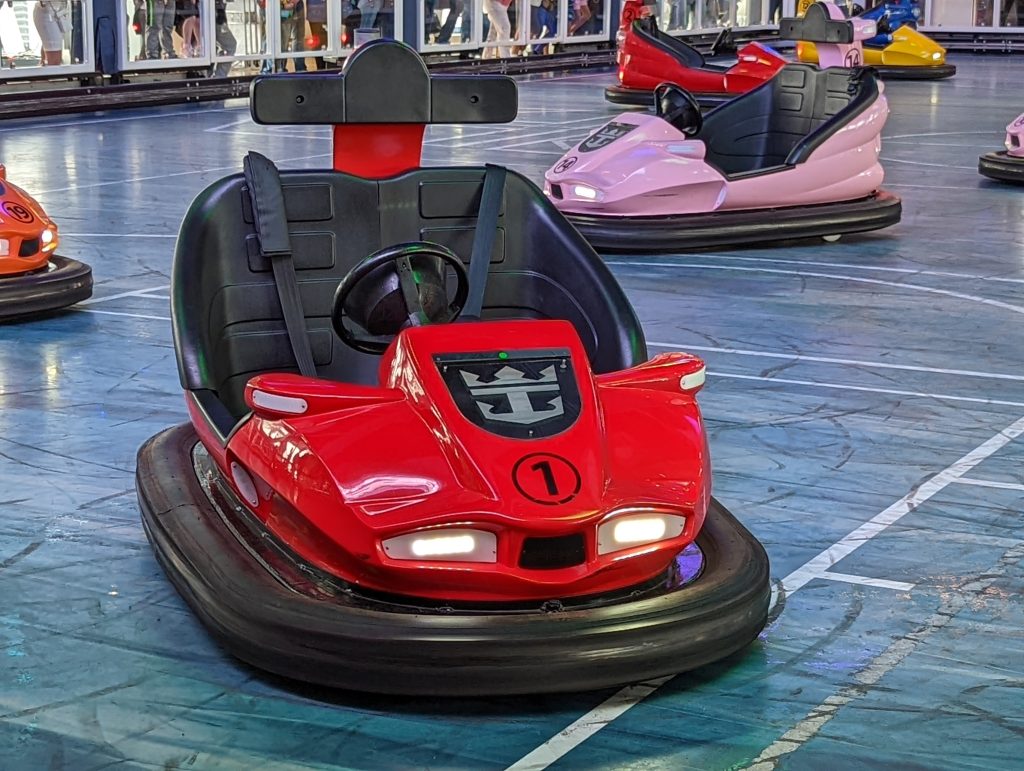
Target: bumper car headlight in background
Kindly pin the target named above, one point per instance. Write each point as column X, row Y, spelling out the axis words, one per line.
column 936, row 56
column 5, row 247
column 636, row 527
column 449, row 545
column 48, row 239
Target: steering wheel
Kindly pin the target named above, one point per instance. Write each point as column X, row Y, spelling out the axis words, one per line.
column 678, row 107
column 723, row 42
column 397, row 287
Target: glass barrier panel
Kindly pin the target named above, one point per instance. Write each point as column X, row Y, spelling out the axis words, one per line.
column 586, row 18
column 165, row 31
column 715, row 14
column 539, row 26
column 677, row 15
column 498, row 20
column 1011, row 14
column 751, row 13
column 957, row 13
column 447, row 25
column 38, row 34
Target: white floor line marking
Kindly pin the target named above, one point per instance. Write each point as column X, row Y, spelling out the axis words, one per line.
column 120, row 119
column 840, row 277
column 989, row 483
column 941, row 134
column 615, row 706
column 118, row 235
column 119, row 313
column 934, row 187
column 867, row 389
column 155, row 296
column 882, row 583
column 587, row 726
column 832, row 360
column 907, row 271
column 950, row 605
column 233, row 167
column 119, row 295
column 905, row 505
column 930, row 165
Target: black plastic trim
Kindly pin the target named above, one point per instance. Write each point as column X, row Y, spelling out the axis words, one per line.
column 1001, row 166
column 260, row 620
column 62, row 283
column 644, row 235
column 638, row 97
column 930, row 72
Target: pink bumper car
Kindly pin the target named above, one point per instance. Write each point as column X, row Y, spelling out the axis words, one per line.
column 1006, row 165
column 794, row 158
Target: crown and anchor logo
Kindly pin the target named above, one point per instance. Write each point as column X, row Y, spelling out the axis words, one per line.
column 516, row 387
column 530, row 396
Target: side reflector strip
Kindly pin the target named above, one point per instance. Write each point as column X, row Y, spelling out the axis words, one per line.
column 292, row 405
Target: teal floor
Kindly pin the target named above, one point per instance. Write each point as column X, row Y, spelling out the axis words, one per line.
column 865, row 405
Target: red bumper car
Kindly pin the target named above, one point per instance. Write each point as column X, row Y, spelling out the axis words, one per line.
column 372, row 496
column 648, row 57
column 33, row 279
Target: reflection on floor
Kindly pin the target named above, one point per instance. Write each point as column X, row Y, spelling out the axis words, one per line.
column 865, row 407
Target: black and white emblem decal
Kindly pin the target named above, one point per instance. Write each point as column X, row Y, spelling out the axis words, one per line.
column 520, row 394
column 605, row 135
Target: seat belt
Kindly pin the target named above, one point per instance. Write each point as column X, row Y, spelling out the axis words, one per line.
column 491, row 197
column 271, row 220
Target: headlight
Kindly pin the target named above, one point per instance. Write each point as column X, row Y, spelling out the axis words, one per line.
column 636, row 527
column 47, row 236
column 448, row 545
column 936, row 56
column 586, row 191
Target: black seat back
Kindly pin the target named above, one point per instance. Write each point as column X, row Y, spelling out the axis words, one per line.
column 779, row 122
column 227, row 318
column 647, row 29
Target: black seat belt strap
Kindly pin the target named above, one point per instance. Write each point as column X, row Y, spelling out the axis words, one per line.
column 271, row 220
column 491, row 198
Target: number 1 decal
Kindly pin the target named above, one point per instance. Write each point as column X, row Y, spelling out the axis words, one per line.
column 544, row 467
column 546, row 479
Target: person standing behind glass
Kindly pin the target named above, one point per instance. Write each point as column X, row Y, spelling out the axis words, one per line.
column 160, row 22
column 293, row 32
column 501, row 28
column 225, row 40
column 51, row 20
column 369, row 10
column 455, row 9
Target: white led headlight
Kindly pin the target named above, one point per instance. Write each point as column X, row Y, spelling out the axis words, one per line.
column 586, row 192
column 448, row 545
column 635, row 527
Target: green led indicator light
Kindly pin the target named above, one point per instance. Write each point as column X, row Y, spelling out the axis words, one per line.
column 502, row 355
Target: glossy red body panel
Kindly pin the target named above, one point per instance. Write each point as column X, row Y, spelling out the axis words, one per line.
column 377, row 150
column 361, row 464
column 644, row 66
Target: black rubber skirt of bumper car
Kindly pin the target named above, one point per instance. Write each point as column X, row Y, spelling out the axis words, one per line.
column 61, row 283
column 644, row 235
column 638, row 97
column 1002, row 166
column 344, row 644
column 929, row 72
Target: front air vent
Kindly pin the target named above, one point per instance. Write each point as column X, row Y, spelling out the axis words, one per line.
column 564, row 551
